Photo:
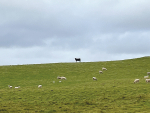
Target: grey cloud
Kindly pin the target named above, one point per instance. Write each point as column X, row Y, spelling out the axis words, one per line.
column 97, row 27
column 73, row 18
column 128, row 43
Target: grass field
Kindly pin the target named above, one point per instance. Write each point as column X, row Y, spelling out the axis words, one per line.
column 113, row 92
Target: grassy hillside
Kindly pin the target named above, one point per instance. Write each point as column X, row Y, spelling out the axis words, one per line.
column 114, row 91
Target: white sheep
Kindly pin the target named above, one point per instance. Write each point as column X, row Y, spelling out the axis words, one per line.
column 148, row 73
column 147, row 80
column 146, row 76
column 136, row 80
column 63, row 78
column 17, row 87
column 39, row 86
column 104, row 68
column 9, row 86
column 100, row 72
column 94, row 78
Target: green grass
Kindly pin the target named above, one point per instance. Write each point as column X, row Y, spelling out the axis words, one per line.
column 113, row 92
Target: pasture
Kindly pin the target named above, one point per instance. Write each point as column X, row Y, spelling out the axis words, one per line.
column 114, row 90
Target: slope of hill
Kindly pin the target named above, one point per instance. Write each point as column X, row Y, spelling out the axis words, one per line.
column 114, row 90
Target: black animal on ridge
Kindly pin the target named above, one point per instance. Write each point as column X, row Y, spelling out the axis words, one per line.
column 77, row 59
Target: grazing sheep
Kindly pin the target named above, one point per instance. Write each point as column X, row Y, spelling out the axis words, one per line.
column 59, row 81
column 94, row 78
column 17, row 87
column 39, row 86
column 146, row 76
column 63, row 78
column 147, row 80
column 9, row 86
column 100, row 72
column 104, row 68
column 148, row 73
column 136, row 80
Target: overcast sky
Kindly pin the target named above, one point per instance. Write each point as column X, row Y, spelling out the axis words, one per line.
column 52, row 31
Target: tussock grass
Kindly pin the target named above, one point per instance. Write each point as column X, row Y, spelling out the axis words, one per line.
column 114, row 91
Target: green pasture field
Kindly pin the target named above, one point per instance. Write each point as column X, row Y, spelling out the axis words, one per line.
column 113, row 92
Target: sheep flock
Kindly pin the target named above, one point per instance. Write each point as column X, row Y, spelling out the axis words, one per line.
column 146, row 78
column 94, row 78
column 64, row 78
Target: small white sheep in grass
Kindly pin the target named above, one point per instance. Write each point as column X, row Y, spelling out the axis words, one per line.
column 94, row 78
column 148, row 73
column 39, row 86
column 9, row 86
column 136, row 80
column 100, row 72
column 59, row 81
column 63, row 78
column 146, row 76
column 147, row 80
column 104, row 68
column 17, row 87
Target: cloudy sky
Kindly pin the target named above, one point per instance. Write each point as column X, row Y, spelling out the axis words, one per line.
column 52, row 31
